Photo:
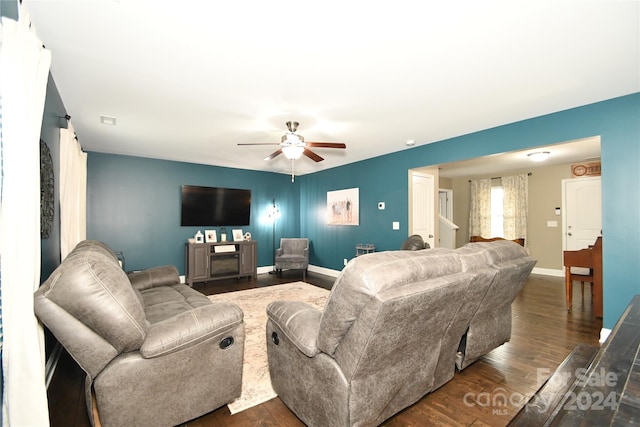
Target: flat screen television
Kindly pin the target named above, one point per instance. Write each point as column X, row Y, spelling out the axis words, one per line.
column 214, row 206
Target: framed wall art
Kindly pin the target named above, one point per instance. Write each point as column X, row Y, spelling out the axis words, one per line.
column 343, row 207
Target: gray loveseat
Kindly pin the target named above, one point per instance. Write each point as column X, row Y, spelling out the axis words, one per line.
column 156, row 352
column 392, row 330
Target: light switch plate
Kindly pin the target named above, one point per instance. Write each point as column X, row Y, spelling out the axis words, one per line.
column 552, row 223
column 396, row 225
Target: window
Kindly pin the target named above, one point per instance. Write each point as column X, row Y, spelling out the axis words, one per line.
column 497, row 212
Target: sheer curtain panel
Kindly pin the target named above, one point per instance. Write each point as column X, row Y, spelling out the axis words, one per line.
column 516, row 196
column 73, row 191
column 24, row 67
column 480, row 208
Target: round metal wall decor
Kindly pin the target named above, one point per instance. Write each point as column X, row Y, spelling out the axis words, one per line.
column 47, row 209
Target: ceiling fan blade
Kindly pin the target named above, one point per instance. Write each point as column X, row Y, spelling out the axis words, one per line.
column 274, row 154
column 313, row 156
column 326, row 144
column 261, row 143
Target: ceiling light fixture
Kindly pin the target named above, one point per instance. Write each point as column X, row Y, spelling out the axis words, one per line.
column 538, row 156
column 293, row 152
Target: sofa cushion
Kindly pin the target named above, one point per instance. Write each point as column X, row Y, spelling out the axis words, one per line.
column 163, row 302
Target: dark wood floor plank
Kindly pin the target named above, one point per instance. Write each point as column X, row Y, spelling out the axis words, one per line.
column 543, row 334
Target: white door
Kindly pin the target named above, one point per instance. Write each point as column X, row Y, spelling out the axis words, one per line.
column 422, row 207
column 582, row 212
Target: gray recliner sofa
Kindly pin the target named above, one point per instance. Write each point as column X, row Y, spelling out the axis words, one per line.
column 155, row 351
column 389, row 333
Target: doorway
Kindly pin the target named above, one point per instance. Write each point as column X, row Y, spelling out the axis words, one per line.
column 581, row 212
column 422, row 205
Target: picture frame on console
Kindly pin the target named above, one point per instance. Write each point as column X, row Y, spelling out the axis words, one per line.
column 210, row 236
column 237, row 235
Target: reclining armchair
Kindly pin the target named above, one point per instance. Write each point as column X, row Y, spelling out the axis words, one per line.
column 155, row 352
column 374, row 349
column 293, row 254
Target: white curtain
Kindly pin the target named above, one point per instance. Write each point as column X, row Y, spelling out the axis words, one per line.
column 480, row 208
column 516, row 197
column 73, row 191
column 24, row 68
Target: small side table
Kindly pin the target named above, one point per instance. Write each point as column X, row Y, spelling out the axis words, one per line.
column 365, row 248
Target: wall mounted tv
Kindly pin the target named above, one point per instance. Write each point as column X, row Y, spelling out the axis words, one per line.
column 215, row 206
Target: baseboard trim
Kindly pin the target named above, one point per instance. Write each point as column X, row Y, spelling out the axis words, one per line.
column 52, row 363
column 604, row 334
column 323, row 270
column 548, row 272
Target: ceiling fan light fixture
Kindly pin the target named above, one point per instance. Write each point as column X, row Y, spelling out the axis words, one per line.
column 538, row 156
column 293, row 152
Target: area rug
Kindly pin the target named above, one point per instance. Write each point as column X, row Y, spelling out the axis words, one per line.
column 256, row 383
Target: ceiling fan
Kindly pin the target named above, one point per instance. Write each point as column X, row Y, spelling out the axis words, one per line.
column 293, row 146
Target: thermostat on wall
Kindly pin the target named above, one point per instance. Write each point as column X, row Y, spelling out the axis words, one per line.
column 381, row 206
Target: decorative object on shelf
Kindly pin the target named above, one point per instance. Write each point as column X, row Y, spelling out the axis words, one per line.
column 237, row 235
column 247, row 236
column 223, row 234
column 47, row 209
column 210, row 236
column 199, row 237
column 191, row 240
column 343, row 207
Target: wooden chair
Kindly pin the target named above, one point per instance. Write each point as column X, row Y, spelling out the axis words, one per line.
column 590, row 258
column 473, row 239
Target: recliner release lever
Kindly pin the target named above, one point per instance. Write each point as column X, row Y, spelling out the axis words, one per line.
column 226, row 342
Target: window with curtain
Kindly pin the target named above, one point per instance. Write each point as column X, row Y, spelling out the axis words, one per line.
column 499, row 210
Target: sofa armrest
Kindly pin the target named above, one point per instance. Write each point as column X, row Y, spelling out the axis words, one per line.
column 299, row 321
column 165, row 275
column 189, row 328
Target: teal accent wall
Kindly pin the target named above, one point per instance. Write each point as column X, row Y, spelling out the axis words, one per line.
column 385, row 178
column 133, row 203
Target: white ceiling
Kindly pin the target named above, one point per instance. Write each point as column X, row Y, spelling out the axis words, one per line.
column 188, row 81
column 580, row 150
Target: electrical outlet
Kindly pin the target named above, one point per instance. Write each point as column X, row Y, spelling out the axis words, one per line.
column 345, row 261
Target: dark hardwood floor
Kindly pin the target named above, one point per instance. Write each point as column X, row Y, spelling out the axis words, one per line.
column 543, row 334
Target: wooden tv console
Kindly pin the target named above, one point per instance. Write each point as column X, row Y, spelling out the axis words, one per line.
column 223, row 260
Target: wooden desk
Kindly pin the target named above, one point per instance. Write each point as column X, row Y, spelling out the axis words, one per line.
column 590, row 258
